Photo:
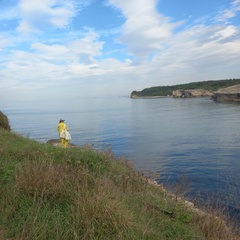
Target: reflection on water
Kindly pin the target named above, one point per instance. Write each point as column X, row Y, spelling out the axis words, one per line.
column 196, row 138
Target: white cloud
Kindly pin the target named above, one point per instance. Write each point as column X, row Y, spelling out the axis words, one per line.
column 8, row 14
column 38, row 15
column 236, row 3
column 145, row 30
column 87, row 46
column 192, row 56
column 80, row 51
column 225, row 15
column 225, row 32
column 231, row 12
column 4, row 41
column 47, row 64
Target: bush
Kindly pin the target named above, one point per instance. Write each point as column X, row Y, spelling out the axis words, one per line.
column 4, row 122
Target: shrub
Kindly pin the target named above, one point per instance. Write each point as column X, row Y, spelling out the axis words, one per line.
column 4, row 122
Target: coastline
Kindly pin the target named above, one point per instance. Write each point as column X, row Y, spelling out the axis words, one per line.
column 145, row 97
column 188, row 204
column 202, row 214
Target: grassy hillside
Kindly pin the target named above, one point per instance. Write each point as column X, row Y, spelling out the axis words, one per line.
column 48, row 192
column 213, row 85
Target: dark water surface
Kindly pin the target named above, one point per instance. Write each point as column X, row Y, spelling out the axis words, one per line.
column 197, row 140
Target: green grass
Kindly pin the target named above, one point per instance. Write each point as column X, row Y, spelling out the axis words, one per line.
column 51, row 193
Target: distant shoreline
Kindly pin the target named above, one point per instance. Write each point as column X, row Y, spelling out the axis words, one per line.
column 151, row 97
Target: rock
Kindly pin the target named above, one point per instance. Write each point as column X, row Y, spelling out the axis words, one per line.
column 188, row 93
column 189, row 204
column 228, row 94
column 56, row 142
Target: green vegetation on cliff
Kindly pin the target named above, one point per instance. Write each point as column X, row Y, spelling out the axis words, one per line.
column 4, row 122
column 48, row 192
column 212, row 85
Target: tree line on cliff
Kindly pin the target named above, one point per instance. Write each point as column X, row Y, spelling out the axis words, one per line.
column 211, row 85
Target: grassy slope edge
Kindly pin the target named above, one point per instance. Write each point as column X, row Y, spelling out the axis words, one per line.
column 48, row 192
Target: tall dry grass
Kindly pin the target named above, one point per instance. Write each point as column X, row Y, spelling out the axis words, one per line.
column 51, row 193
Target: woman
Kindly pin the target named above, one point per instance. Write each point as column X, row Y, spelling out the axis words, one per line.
column 63, row 133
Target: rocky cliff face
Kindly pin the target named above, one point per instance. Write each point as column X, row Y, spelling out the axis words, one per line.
column 229, row 94
column 188, row 93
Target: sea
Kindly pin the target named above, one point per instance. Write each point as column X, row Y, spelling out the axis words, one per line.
column 191, row 146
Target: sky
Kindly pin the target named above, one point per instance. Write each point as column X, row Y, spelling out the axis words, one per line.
column 68, row 49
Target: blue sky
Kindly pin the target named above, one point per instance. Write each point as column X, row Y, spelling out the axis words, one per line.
column 55, row 49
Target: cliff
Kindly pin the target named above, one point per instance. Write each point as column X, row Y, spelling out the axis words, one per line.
column 228, row 94
column 210, row 85
column 188, row 93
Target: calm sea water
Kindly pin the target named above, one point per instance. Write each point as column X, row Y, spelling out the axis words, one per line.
column 197, row 140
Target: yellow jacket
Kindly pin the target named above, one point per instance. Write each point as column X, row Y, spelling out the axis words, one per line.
column 61, row 127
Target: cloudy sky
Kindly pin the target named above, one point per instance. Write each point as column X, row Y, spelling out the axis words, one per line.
column 78, row 48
